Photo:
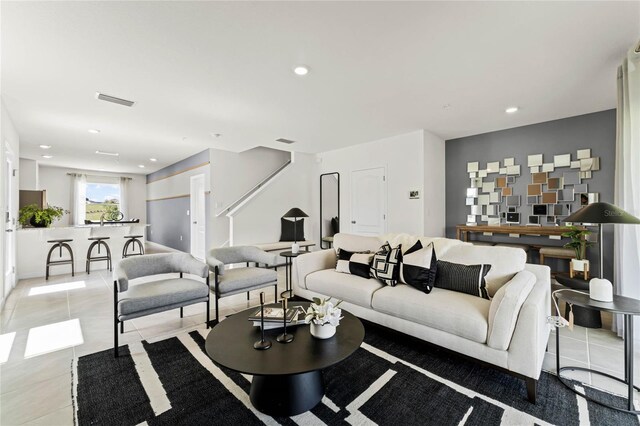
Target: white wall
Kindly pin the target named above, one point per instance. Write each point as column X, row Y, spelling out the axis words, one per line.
column 58, row 185
column 28, row 174
column 405, row 159
column 433, row 194
column 8, row 138
column 232, row 175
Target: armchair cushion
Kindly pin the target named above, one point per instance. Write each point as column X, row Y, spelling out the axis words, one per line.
column 239, row 280
column 238, row 254
column 161, row 293
column 156, row 264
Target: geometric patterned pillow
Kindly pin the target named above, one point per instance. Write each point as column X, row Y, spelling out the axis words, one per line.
column 354, row 263
column 463, row 278
column 419, row 266
column 386, row 264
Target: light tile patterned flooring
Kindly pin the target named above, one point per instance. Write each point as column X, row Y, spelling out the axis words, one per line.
column 37, row 389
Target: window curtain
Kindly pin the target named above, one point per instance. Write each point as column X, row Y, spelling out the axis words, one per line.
column 79, row 199
column 124, row 197
column 627, row 183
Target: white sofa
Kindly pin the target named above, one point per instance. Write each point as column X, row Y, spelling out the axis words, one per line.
column 510, row 331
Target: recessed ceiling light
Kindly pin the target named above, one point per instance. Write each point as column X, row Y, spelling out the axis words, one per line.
column 141, row 166
column 216, row 135
column 511, row 110
column 113, row 154
column 94, row 131
column 153, row 160
column 45, row 146
column 446, row 106
column 301, row 70
column 47, row 156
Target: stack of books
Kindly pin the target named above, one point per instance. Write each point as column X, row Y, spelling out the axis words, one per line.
column 274, row 317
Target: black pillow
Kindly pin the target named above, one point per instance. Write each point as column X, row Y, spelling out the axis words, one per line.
column 386, row 264
column 357, row 263
column 419, row 266
column 288, row 233
column 463, row 278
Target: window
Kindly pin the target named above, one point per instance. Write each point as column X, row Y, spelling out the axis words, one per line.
column 102, row 197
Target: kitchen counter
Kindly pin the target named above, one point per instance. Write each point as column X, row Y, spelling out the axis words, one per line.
column 32, row 246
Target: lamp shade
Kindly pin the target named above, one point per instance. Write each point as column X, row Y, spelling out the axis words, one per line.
column 602, row 213
column 295, row 212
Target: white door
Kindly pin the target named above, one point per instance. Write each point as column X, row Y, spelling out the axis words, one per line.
column 198, row 217
column 10, row 224
column 368, row 201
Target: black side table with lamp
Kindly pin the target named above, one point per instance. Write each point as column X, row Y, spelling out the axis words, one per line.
column 289, row 256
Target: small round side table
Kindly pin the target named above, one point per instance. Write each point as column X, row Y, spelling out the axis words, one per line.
column 626, row 306
column 582, row 317
column 288, row 259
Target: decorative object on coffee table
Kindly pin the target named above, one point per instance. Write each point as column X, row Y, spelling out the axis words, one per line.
column 284, row 337
column 323, row 317
column 262, row 344
column 287, row 379
column 602, row 213
column 579, row 245
column 294, row 214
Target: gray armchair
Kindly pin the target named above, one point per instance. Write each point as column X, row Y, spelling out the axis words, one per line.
column 161, row 295
column 239, row 280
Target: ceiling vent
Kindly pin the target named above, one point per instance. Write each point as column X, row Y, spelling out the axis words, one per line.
column 112, row 154
column 287, row 141
column 114, row 100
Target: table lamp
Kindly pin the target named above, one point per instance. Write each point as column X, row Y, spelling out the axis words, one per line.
column 295, row 213
column 601, row 213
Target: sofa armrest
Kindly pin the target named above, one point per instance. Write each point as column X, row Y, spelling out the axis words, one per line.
column 531, row 335
column 312, row 262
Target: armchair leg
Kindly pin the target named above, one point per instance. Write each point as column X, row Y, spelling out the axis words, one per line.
column 275, row 293
column 217, row 310
column 208, row 314
column 247, row 295
column 181, row 312
column 115, row 319
column 121, row 327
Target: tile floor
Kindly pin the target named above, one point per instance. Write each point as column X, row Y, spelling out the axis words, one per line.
column 35, row 380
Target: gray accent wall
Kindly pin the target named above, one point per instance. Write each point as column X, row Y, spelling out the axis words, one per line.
column 194, row 160
column 596, row 131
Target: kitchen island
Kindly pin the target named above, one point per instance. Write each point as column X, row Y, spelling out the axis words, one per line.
column 32, row 247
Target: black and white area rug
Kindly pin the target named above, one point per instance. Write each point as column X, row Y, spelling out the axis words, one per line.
column 391, row 380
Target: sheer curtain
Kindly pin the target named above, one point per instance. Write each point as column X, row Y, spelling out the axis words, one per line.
column 124, row 197
column 79, row 199
column 627, row 182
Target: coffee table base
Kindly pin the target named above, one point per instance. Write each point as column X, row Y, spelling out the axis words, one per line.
column 287, row 395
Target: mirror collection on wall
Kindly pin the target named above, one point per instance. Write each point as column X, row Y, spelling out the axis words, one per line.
column 555, row 190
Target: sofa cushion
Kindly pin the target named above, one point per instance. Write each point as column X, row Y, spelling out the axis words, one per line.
column 505, row 308
column 469, row 279
column 154, row 294
column 442, row 245
column 350, row 288
column 505, row 262
column 354, row 263
column 419, row 267
column 237, row 280
column 456, row 313
column 356, row 243
column 385, row 265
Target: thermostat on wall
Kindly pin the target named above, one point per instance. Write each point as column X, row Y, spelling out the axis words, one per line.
column 414, row 195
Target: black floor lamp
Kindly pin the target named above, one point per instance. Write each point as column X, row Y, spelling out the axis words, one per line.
column 295, row 213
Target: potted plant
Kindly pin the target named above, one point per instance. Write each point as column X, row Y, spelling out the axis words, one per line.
column 579, row 244
column 40, row 218
column 324, row 317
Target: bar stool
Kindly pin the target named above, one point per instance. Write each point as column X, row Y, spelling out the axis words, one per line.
column 556, row 253
column 60, row 244
column 132, row 240
column 98, row 241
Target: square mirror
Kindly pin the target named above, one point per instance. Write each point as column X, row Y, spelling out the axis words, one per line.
column 534, row 189
column 491, row 210
column 472, row 192
column 484, row 217
column 553, row 183
column 585, row 175
column 571, row 178
column 483, row 199
column 472, row 175
column 494, row 197
column 501, row 182
column 584, row 153
column 584, row 199
column 513, row 200
column 534, row 160
column 493, row 167
column 563, row 160
column 580, row 189
column 561, row 209
column 565, row 194
column 509, row 162
column 512, row 209
column 507, row 191
column 482, row 173
column 513, row 217
column 472, row 167
column 548, row 167
column 551, row 220
column 534, row 220
column 470, row 201
column 535, row 169
column 488, row 186
column 503, row 170
column 575, row 164
column 494, row 221
column 540, row 209
column 511, row 179
column 532, row 200
column 539, row 178
column 594, row 197
column 471, row 218
column 513, row 170
column 549, row 197
column 476, row 210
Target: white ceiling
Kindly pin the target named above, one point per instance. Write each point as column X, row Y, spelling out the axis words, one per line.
column 378, row 69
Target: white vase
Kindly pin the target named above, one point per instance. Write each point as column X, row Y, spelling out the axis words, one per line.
column 601, row 290
column 322, row 331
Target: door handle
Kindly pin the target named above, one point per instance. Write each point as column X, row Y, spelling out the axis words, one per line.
column 8, row 230
column 195, row 223
column 353, row 221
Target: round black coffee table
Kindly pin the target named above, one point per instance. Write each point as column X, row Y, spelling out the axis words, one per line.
column 287, row 378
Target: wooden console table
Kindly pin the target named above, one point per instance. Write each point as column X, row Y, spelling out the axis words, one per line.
column 463, row 231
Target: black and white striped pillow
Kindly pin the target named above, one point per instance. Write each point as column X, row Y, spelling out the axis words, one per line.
column 357, row 263
column 419, row 266
column 463, row 278
column 386, row 264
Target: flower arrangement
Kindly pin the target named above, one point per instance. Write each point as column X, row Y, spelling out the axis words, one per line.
column 323, row 311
